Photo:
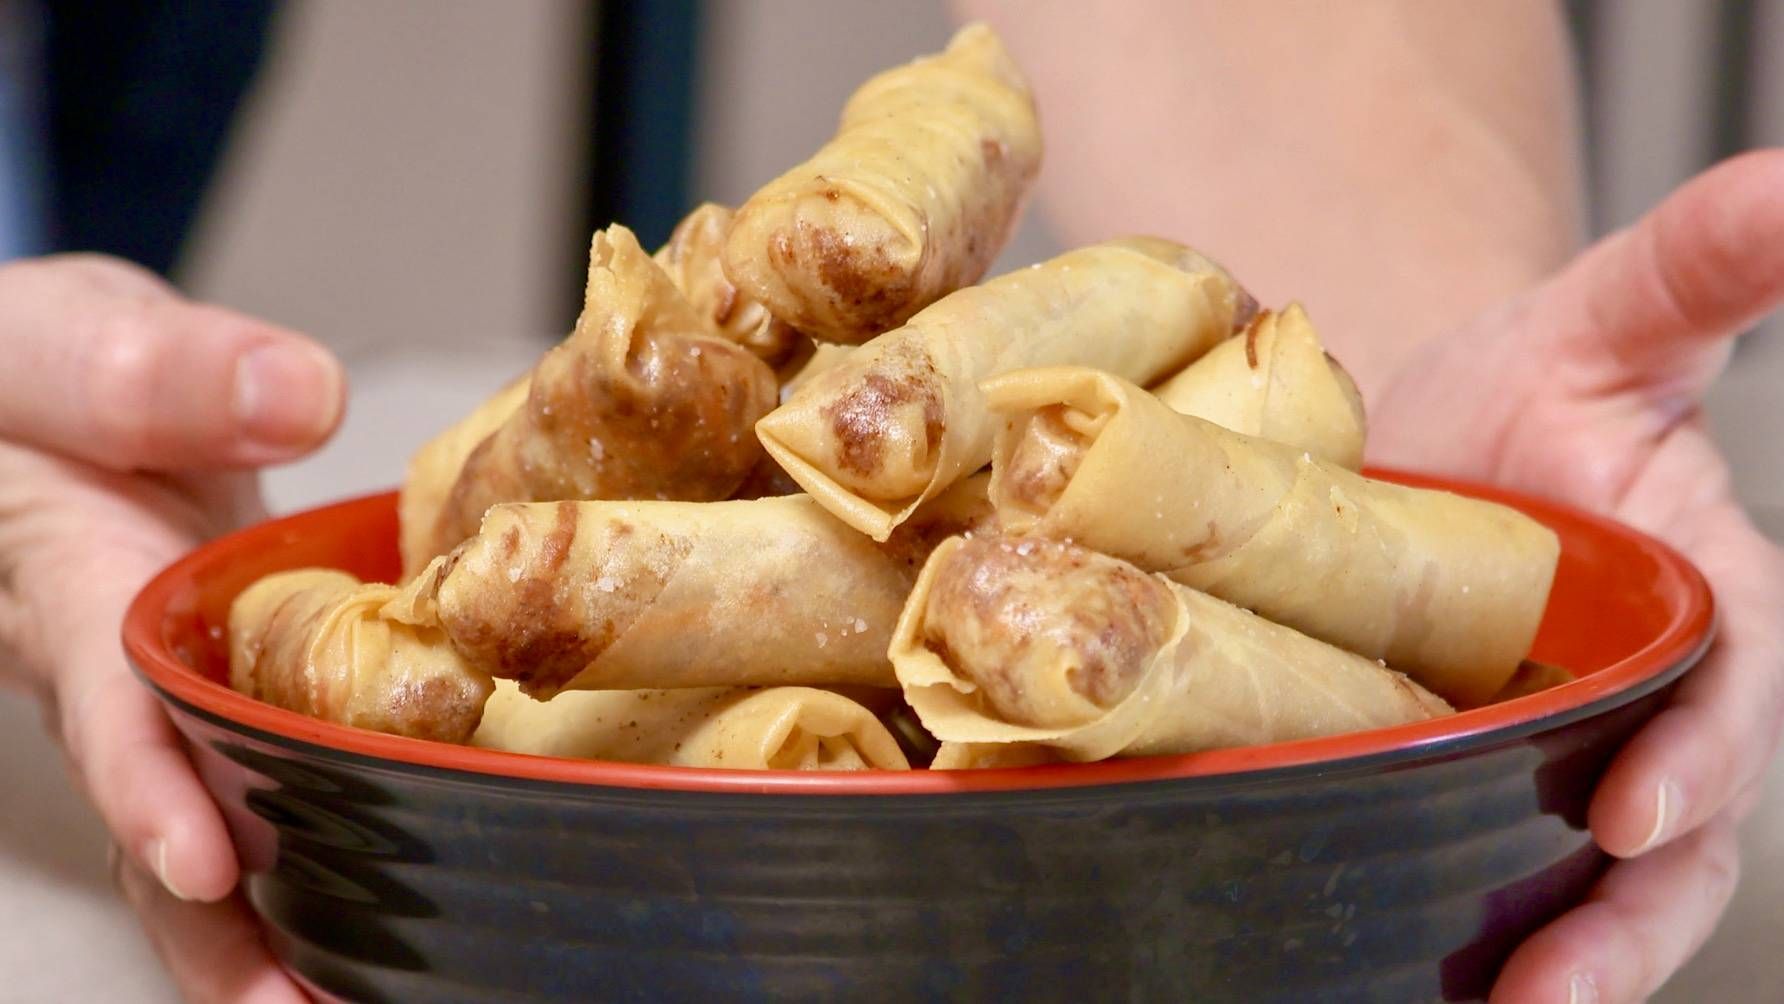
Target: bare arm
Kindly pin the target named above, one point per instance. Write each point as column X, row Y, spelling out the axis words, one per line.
column 1396, row 165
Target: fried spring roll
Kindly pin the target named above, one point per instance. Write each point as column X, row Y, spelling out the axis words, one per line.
column 1447, row 589
column 641, row 401
column 313, row 641
column 692, row 259
column 1032, row 641
column 778, row 728
column 433, row 470
column 631, row 595
column 900, row 419
column 1275, row 381
column 910, row 200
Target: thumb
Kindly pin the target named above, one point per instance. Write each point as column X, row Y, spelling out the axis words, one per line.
column 1651, row 308
column 107, row 367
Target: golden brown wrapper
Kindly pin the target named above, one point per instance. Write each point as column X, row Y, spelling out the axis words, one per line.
column 314, row 641
column 768, row 478
column 630, row 595
column 433, row 470
column 1039, row 642
column 692, row 258
column 986, row 756
column 900, row 419
column 641, row 401
column 1532, row 677
column 741, row 728
column 1275, row 381
column 910, row 200
column 1447, row 589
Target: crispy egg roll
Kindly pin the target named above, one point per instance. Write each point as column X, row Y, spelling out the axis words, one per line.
column 910, row 200
column 692, row 258
column 901, row 418
column 630, row 595
column 1008, row 640
column 1447, row 589
column 313, row 641
column 642, row 400
column 777, row 728
column 433, row 470
column 1275, row 381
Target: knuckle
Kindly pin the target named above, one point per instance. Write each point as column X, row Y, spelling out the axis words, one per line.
column 126, row 358
column 1721, row 864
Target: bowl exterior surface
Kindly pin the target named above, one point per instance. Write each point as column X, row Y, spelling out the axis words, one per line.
column 1401, row 865
column 1405, row 882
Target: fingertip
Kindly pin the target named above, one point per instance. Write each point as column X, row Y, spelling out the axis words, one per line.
column 175, row 384
column 1563, row 963
column 287, row 398
column 1652, row 791
column 195, row 861
column 143, row 785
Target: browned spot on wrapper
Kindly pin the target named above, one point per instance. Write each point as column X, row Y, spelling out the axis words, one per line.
column 1203, row 549
column 859, row 418
column 872, row 290
column 1251, row 331
column 562, row 535
column 442, row 708
column 1002, row 608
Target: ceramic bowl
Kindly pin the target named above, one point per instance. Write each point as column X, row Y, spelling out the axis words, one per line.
column 1400, row 864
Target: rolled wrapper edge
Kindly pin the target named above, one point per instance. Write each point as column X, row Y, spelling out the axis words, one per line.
column 863, row 515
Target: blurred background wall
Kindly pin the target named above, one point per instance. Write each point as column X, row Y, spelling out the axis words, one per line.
column 404, row 178
column 410, row 184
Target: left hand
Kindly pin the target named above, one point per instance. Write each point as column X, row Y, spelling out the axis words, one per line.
column 1588, row 389
column 130, row 421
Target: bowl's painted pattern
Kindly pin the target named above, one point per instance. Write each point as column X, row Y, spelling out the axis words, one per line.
column 1397, row 865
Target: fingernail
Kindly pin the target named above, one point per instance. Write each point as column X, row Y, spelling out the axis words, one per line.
column 1669, row 802
column 157, row 855
column 286, row 394
column 1581, row 990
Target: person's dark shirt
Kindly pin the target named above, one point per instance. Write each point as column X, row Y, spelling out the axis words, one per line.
column 138, row 100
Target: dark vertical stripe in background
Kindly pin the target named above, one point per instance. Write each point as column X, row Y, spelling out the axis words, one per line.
column 1736, row 21
column 643, row 75
column 1582, row 22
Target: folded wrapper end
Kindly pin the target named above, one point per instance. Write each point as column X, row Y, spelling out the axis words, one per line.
column 953, row 709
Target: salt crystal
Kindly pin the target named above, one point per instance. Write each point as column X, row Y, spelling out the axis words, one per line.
column 595, row 449
column 606, row 584
column 514, row 573
column 823, row 639
column 1025, row 548
column 860, row 626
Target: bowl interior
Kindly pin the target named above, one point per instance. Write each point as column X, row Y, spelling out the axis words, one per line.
column 1625, row 611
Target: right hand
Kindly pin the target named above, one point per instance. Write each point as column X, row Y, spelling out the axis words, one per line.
column 130, row 420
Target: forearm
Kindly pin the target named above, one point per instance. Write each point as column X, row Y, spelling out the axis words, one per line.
column 1395, row 165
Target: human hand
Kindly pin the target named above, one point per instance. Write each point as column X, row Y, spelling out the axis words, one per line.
column 129, row 418
column 1588, row 389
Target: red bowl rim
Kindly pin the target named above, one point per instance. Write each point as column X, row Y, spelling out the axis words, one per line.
column 1678, row 646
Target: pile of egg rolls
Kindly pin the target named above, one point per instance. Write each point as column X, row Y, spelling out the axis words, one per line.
column 802, row 490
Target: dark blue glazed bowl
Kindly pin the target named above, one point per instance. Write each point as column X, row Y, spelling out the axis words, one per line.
column 1401, row 864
